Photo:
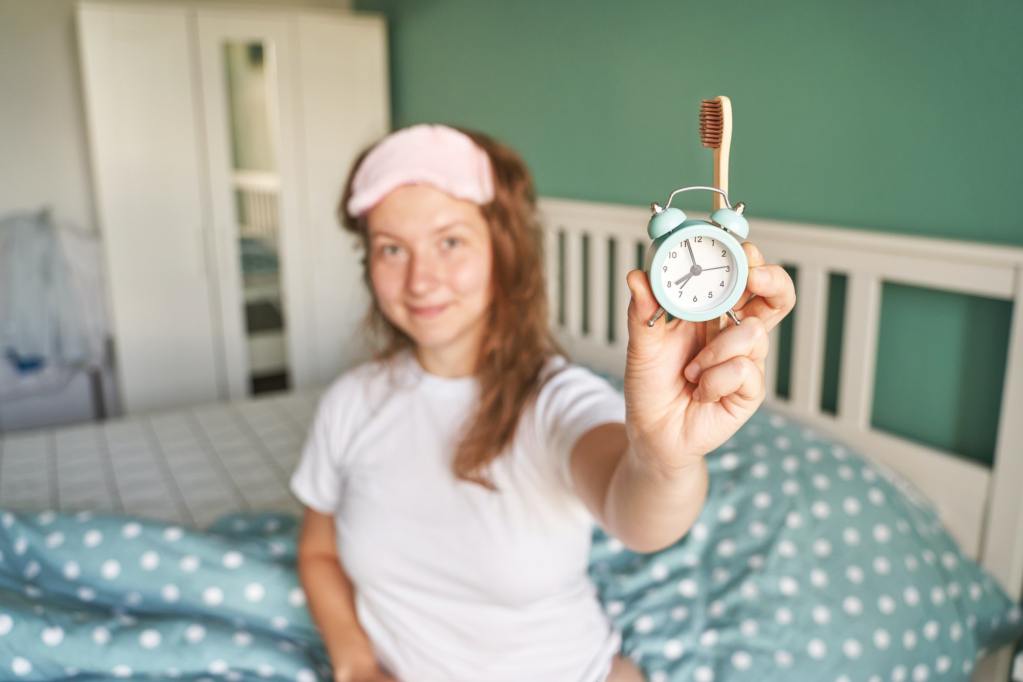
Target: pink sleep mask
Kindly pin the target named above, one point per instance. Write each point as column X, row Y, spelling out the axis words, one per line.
column 433, row 154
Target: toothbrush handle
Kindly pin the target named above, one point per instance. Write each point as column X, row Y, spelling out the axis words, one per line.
column 713, row 327
column 720, row 174
column 721, row 152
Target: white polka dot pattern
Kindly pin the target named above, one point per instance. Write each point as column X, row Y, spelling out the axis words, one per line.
column 840, row 571
column 154, row 600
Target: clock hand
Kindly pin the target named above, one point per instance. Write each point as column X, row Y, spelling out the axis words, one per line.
column 660, row 311
column 717, row 268
column 691, row 256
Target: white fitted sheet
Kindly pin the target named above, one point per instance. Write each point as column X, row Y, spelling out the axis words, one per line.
column 188, row 466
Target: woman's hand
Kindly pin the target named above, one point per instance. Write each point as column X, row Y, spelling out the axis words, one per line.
column 354, row 661
column 360, row 666
column 688, row 386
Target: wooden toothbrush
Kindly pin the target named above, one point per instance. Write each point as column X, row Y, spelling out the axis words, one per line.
column 716, row 133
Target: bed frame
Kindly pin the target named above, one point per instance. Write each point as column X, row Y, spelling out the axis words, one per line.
column 982, row 507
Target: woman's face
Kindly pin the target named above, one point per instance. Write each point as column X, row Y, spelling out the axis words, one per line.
column 430, row 265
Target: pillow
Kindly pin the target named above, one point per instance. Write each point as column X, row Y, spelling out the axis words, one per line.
column 807, row 563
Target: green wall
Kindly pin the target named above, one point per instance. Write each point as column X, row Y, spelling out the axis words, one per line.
column 896, row 117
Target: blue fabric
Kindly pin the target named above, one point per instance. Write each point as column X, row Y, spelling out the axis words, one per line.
column 25, row 365
column 807, row 563
column 107, row 597
column 40, row 321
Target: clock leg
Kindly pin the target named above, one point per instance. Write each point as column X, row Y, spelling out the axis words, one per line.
column 657, row 315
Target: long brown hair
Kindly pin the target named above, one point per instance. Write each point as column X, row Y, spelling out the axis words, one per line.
column 518, row 341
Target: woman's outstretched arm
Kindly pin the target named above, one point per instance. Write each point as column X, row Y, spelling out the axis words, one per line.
column 687, row 390
column 634, row 502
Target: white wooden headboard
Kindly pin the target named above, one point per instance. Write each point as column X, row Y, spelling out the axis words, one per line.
column 983, row 508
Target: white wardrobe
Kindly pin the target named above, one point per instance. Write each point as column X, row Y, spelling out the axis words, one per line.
column 220, row 139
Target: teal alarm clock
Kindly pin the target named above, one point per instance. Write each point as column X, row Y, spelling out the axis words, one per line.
column 697, row 268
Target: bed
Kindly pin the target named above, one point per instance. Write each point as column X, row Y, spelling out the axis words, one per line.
column 185, row 466
column 227, row 464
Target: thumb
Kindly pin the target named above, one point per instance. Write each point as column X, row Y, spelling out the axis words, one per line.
column 645, row 342
column 643, row 305
column 649, row 346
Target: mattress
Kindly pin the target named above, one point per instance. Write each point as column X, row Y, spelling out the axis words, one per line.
column 187, row 466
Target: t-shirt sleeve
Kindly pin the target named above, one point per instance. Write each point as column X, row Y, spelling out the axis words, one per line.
column 572, row 402
column 319, row 478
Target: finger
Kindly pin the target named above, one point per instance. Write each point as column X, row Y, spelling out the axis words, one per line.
column 655, row 356
column 775, row 295
column 739, row 376
column 648, row 344
column 748, row 339
column 643, row 304
column 756, row 259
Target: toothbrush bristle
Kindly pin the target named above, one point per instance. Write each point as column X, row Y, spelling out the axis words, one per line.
column 711, row 123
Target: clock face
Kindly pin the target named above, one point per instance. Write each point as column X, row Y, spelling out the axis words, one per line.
column 698, row 272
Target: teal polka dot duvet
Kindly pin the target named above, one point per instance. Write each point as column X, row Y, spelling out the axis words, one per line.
column 807, row 563
column 104, row 597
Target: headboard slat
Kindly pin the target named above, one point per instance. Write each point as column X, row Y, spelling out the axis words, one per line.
column 622, row 295
column 808, row 345
column 550, row 258
column 599, row 283
column 859, row 350
column 1001, row 556
column 573, row 282
column 772, row 363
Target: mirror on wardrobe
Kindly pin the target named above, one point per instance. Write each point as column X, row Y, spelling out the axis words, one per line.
column 250, row 79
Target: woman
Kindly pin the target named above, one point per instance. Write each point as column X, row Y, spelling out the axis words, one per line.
column 451, row 483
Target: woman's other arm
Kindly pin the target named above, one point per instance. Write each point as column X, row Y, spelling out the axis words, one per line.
column 331, row 600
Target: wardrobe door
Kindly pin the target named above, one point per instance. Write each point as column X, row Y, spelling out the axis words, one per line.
column 149, row 173
column 290, row 98
column 344, row 108
column 247, row 66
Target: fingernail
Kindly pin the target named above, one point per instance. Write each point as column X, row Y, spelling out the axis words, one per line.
column 693, row 371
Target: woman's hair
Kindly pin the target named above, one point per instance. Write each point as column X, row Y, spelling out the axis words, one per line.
column 518, row 341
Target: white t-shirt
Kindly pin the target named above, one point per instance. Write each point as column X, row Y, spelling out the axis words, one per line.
column 454, row 583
